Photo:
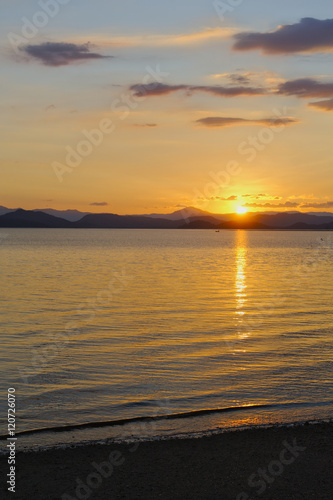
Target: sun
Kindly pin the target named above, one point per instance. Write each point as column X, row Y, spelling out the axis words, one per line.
column 241, row 210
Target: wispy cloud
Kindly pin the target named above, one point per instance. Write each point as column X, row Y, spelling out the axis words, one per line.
column 255, row 79
column 287, row 204
column 230, row 198
column 220, row 121
column 326, row 105
column 308, row 35
column 99, row 204
column 261, row 196
column 144, row 125
column 61, row 54
column 155, row 89
column 327, row 204
column 163, row 40
column 159, row 89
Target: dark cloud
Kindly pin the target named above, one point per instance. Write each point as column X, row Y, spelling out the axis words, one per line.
column 155, row 88
column 145, row 125
column 99, row 204
column 60, row 54
column 308, row 35
column 287, row 204
column 229, row 91
column 239, row 79
column 323, row 105
column 158, row 89
column 327, row 204
column 220, row 121
column 306, row 87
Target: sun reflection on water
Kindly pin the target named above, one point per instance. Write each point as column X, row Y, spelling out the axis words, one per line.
column 240, row 282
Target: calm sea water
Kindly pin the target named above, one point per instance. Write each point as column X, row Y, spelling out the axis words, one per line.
column 104, row 325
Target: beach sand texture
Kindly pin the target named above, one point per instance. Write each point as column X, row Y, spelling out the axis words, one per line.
column 278, row 463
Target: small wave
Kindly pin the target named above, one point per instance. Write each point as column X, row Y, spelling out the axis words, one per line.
column 171, row 416
column 124, row 421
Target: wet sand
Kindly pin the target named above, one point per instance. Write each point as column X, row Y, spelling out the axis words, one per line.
column 279, row 463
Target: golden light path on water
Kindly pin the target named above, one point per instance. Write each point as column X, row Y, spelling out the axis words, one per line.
column 240, row 283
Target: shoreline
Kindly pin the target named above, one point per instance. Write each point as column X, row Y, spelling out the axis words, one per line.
column 277, row 463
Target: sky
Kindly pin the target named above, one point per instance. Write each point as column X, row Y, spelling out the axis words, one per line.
column 150, row 106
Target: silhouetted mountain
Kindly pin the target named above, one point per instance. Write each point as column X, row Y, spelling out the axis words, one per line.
column 199, row 223
column 71, row 215
column 287, row 221
column 185, row 214
column 243, row 224
column 311, row 227
column 125, row 221
column 29, row 218
column 5, row 210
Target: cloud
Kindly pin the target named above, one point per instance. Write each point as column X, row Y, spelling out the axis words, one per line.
column 306, row 87
column 219, row 198
column 229, row 91
column 230, row 198
column 220, row 121
column 194, row 38
column 154, row 89
column 261, row 196
column 99, row 204
column 287, row 204
column 327, row 204
column 326, row 105
column 255, row 79
column 308, row 35
column 60, row 54
column 158, row 89
column 144, row 125
column 239, row 79
column 163, row 40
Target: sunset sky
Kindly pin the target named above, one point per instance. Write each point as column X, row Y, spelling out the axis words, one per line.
column 198, row 103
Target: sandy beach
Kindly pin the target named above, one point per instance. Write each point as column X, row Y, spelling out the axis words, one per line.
column 278, row 463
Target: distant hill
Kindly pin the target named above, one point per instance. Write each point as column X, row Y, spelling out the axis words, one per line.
column 29, row 218
column 5, row 210
column 186, row 213
column 125, row 221
column 284, row 220
column 71, row 215
column 200, row 220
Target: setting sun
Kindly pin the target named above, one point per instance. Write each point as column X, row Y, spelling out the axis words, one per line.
column 241, row 210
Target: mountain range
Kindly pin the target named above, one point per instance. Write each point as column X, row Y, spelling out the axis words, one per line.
column 187, row 218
